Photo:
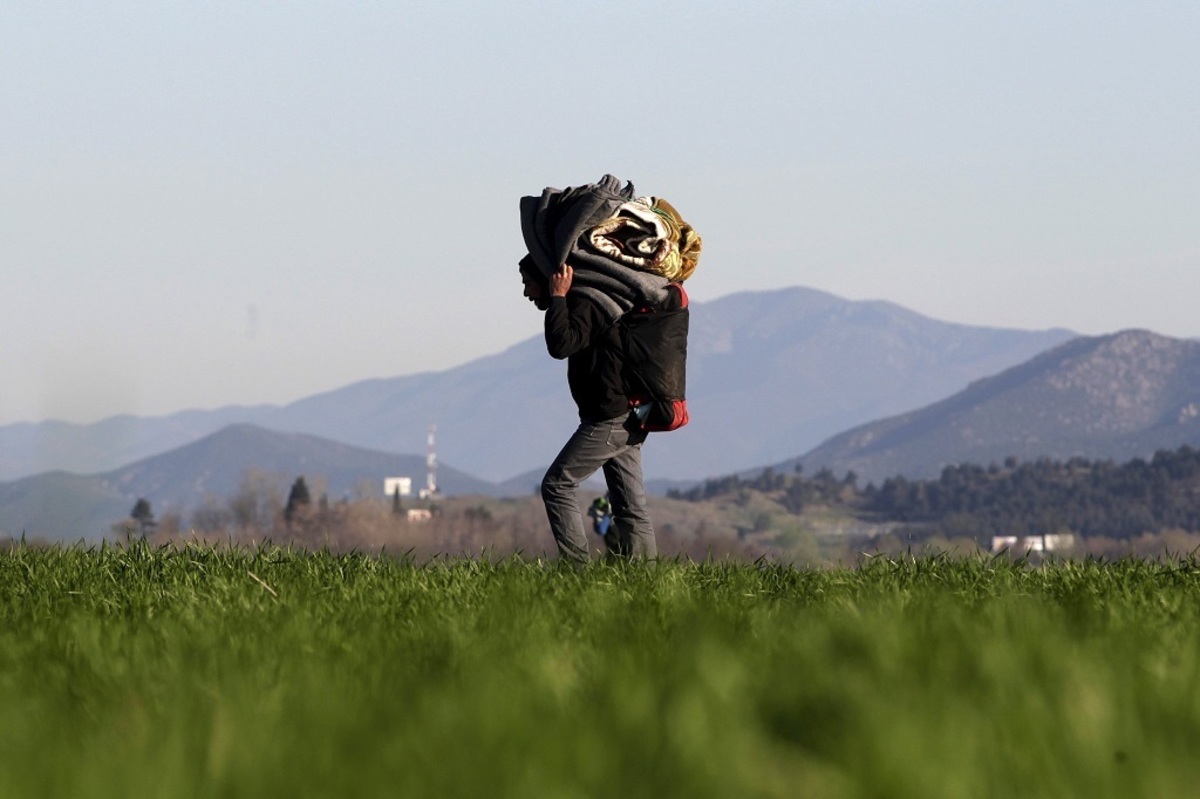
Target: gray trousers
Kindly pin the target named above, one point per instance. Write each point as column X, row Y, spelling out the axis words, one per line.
column 615, row 446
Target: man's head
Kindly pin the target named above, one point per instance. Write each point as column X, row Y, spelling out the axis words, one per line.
column 537, row 288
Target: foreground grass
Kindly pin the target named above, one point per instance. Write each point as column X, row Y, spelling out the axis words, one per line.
column 268, row 672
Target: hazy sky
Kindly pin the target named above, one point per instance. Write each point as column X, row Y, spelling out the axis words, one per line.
column 233, row 203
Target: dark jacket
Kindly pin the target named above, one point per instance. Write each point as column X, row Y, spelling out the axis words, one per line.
column 578, row 329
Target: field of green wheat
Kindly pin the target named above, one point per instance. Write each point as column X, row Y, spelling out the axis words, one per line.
column 262, row 672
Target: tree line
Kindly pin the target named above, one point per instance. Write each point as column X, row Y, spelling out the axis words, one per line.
column 1090, row 498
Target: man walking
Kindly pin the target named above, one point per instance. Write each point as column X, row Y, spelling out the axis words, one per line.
column 607, row 437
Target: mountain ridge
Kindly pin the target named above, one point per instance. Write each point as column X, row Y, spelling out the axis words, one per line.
column 770, row 374
column 1121, row 395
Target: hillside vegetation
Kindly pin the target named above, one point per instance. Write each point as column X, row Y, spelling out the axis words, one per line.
column 1142, row 506
column 1148, row 507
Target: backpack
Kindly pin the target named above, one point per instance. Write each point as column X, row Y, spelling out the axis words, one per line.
column 654, row 346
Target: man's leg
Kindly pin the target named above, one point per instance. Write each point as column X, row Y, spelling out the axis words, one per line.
column 631, row 533
column 586, row 451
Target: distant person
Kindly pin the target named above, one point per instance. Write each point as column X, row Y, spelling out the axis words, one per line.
column 607, row 437
column 600, row 512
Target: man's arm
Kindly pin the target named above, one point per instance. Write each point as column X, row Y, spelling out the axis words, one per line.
column 566, row 333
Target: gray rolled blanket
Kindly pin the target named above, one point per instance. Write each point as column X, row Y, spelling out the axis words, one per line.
column 554, row 225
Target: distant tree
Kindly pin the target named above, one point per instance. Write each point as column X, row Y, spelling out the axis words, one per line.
column 397, row 506
column 298, row 500
column 143, row 514
column 479, row 513
column 210, row 516
column 258, row 501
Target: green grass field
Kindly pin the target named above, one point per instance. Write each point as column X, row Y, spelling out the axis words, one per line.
column 268, row 672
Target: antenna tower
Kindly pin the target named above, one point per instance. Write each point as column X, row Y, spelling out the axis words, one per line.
column 431, row 464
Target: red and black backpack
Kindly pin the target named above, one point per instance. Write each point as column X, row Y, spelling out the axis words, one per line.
column 654, row 343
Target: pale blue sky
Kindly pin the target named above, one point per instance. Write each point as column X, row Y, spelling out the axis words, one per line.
column 232, row 203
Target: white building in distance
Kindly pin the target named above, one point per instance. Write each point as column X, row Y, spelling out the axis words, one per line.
column 391, row 484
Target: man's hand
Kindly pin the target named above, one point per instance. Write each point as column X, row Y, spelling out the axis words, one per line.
column 560, row 281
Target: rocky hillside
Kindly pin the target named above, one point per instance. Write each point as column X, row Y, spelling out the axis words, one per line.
column 1119, row 396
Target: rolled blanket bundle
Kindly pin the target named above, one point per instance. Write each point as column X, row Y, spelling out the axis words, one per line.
column 624, row 250
column 648, row 234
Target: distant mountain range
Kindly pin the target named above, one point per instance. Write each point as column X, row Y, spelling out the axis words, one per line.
column 770, row 374
column 1119, row 397
column 762, row 363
